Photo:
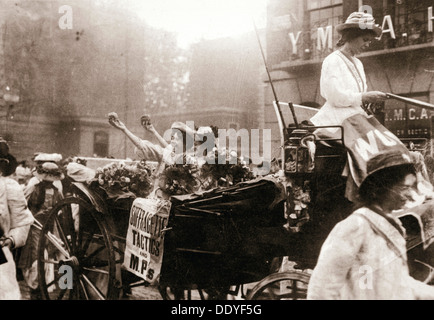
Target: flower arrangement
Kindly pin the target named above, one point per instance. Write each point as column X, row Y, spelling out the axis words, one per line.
column 232, row 171
column 117, row 179
column 180, row 179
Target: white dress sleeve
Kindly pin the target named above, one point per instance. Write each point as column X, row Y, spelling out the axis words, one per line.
column 338, row 85
column 20, row 216
column 149, row 151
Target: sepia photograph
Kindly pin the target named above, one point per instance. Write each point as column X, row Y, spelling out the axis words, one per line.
column 236, row 151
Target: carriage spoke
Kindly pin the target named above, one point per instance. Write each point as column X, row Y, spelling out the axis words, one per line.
column 61, row 294
column 48, row 261
column 57, row 243
column 53, row 282
column 96, row 270
column 83, row 288
column 87, row 242
column 69, row 224
column 62, row 234
column 93, row 254
column 93, row 287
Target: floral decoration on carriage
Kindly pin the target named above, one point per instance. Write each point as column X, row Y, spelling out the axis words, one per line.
column 121, row 179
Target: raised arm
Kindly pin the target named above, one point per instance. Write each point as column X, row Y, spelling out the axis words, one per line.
column 150, row 128
column 144, row 149
column 118, row 124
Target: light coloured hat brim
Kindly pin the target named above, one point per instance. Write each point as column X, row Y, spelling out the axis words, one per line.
column 374, row 27
column 182, row 127
column 48, row 177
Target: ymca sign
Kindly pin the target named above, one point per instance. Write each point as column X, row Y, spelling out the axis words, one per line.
column 324, row 36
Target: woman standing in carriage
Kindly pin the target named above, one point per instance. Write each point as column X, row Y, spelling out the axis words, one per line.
column 348, row 102
column 343, row 79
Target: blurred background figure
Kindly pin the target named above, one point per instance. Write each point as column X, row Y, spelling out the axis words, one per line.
column 23, row 173
column 43, row 191
column 15, row 222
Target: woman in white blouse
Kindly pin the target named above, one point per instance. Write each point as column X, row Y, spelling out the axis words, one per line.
column 15, row 222
column 343, row 80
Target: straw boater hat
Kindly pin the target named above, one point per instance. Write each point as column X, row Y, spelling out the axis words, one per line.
column 361, row 20
column 47, row 169
column 47, row 157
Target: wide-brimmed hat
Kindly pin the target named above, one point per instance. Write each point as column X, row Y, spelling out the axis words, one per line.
column 182, row 127
column 202, row 131
column 387, row 159
column 360, row 20
column 9, row 160
column 79, row 172
column 48, row 171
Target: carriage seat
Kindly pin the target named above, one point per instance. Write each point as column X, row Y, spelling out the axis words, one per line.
column 313, row 149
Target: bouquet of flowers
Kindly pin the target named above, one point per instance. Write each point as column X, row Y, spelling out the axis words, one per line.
column 180, row 179
column 120, row 179
column 232, row 171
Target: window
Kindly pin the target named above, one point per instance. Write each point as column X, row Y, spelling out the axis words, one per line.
column 316, row 4
column 410, row 21
column 100, row 144
column 324, row 13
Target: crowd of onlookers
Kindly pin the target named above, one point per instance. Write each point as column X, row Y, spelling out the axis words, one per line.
column 28, row 190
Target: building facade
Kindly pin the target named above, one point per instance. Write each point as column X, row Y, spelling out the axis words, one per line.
column 64, row 68
column 69, row 66
column 301, row 33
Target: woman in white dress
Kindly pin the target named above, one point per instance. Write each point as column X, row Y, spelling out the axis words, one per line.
column 343, row 79
column 15, row 222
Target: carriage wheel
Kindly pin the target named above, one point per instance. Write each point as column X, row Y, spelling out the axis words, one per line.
column 289, row 285
column 76, row 257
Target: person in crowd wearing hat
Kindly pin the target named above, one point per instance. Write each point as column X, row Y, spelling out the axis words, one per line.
column 42, row 193
column 364, row 256
column 15, row 222
column 343, row 79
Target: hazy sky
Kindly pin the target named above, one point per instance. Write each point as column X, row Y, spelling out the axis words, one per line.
column 196, row 19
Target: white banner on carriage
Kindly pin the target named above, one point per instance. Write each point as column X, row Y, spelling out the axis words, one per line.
column 145, row 239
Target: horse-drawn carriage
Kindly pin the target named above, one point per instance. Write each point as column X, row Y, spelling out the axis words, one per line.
column 216, row 242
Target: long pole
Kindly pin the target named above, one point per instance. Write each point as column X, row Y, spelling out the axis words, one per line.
column 411, row 101
column 126, row 86
column 271, row 82
column 265, row 63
